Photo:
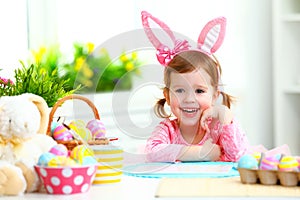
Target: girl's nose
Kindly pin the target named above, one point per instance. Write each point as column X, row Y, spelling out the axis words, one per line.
column 190, row 97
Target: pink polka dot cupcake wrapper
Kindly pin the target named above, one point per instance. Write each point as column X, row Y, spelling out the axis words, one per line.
column 67, row 180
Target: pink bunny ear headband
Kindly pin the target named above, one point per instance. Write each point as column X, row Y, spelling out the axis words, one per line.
column 209, row 40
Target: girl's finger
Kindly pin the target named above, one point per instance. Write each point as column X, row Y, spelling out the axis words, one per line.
column 205, row 115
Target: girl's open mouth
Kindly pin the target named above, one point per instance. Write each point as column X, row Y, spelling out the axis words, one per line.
column 190, row 110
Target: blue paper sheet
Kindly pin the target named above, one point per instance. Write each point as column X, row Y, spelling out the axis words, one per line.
column 182, row 169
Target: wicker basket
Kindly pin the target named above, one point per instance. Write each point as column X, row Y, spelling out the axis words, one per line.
column 72, row 143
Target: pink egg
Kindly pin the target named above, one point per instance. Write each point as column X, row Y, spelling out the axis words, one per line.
column 298, row 159
column 269, row 163
column 59, row 150
column 97, row 128
column 62, row 133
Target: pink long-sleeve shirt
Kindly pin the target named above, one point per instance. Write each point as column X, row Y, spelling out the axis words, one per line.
column 166, row 141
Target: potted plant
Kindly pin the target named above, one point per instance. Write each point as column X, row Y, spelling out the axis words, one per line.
column 34, row 79
column 94, row 70
column 98, row 72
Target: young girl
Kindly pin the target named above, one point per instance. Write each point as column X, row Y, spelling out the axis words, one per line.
column 199, row 129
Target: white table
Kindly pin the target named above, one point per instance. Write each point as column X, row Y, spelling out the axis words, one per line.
column 129, row 188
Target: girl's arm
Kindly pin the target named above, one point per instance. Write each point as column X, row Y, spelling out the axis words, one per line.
column 162, row 147
column 173, row 152
column 206, row 152
column 225, row 132
column 232, row 140
column 163, row 152
column 159, row 147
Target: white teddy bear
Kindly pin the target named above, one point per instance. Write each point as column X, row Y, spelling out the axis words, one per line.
column 23, row 125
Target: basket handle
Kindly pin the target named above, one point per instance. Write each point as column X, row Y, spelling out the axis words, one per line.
column 68, row 97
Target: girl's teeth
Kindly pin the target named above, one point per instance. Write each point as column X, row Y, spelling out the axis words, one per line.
column 189, row 110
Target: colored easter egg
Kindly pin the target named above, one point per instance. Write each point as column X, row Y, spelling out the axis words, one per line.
column 269, row 163
column 62, row 161
column 62, row 133
column 248, row 161
column 77, row 123
column 298, row 159
column 288, row 163
column 89, row 160
column 97, row 128
column 84, row 133
column 257, row 156
column 53, row 126
column 79, row 128
column 45, row 158
column 79, row 152
column 59, row 150
column 70, row 162
column 57, row 161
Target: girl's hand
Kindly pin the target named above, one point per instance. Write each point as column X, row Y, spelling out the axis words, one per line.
column 206, row 152
column 219, row 112
column 210, row 151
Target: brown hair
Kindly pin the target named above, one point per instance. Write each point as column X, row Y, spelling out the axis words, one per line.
column 188, row 61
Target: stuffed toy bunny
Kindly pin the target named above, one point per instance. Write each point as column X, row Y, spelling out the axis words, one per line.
column 23, row 138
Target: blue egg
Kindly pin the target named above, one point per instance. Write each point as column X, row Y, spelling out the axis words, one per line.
column 248, row 162
column 44, row 158
column 54, row 125
column 89, row 160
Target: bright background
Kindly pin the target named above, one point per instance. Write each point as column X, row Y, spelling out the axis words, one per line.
column 245, row 56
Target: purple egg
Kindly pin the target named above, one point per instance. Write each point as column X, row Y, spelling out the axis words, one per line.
column 97, row 128
column 269, row 163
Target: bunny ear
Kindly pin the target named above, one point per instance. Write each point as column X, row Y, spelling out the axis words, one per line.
column 212, row 35
column 164, row 53
column 153, row 39
column 42, row 106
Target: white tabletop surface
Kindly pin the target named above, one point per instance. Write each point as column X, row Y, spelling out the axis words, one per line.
column 129, row 188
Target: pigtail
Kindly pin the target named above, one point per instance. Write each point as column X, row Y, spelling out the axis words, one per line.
column 227, row 99
column 159, row 109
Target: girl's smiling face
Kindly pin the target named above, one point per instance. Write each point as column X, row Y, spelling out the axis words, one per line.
column 189, row 95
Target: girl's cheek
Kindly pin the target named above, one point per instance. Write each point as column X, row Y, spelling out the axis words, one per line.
column 174, row 102
column 176, row 98
column 204, row 107
column 205, row 104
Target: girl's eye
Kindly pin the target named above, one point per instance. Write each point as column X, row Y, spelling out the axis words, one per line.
column 199, row 91
column 179, row 90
